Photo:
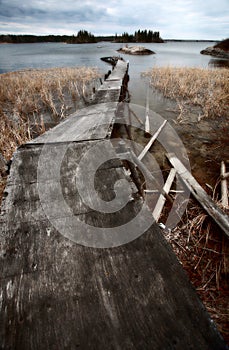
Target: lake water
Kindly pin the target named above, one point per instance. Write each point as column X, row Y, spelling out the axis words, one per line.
column 15, row 57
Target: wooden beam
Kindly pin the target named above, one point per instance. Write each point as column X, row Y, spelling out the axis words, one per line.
column 135, row 115
column 198, row 192
column 149, row 144
column 147, row 123
column 224, row 189
column 225, row 176
column 141, row 166
column 161, row 200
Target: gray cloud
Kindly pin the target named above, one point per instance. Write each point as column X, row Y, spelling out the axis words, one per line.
column 174, row 19
column 25, row 12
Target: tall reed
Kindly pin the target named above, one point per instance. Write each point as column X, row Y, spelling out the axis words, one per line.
column 207, row 88
column 26, row 97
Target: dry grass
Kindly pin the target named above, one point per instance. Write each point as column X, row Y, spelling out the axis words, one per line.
column 207, row 88
column 204, row 253
column 27, row 97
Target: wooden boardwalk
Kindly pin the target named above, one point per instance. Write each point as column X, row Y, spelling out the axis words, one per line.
column 56, row 294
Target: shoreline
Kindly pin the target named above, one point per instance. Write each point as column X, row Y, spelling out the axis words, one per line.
column 119, row 42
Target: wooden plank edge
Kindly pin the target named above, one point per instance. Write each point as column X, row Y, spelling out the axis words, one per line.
column 198, row 192
column 224, row 189
column 161, row 200
column 149, row 144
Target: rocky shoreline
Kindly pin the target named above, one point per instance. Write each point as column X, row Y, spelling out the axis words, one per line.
column 220, row 50
column 216, row 52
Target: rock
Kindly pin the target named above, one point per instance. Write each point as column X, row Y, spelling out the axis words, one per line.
column 215, row 52
column 136, row 50
column 220, row 50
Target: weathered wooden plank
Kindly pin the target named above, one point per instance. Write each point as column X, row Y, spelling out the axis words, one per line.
column 147, row 125
column 149, row 144
column 198, row 192
column 62, row 295
column 94, row 109
column 81, row 128
column 111, row 88
column 119, row 71
column 161, row 201
column 110, row 95
column 226, row 175
column 147, row 122
column 111, row 84
column 224, row 188
column 25, row 160
column 23, row 202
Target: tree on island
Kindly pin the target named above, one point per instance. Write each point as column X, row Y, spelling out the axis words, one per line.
column 140, row 36
column 82, row 37
column 28, row 39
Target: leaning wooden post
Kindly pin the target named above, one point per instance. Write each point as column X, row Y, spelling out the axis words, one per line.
column 149, row 144
column 147, row 123
column 224, row 189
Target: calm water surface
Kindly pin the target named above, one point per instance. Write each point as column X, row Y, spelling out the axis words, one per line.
column 15, row 57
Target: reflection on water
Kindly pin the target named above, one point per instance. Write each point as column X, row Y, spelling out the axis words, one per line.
column 219, row 62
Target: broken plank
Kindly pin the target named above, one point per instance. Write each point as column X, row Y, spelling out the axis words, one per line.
column 225, row 176
column 161, row 201
column 119, row 71
column 224, row 189
column 198, row 192
column 80, row 128
column 141, row 166
column 149, row 144
column 147, row 123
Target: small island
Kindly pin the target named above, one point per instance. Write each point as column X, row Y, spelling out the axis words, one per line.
column 82, row 37
column 220, row 50
column 136, row 50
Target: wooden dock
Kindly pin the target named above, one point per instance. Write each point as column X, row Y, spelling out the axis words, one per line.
column 56, row 294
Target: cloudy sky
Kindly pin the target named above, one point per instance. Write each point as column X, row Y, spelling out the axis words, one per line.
column 184, row 19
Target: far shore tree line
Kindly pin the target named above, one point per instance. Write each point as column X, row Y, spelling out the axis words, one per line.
column 83, row 36
column 140, row 36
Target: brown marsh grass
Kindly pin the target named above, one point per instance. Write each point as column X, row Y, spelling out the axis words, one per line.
column 197, row 241
column 26, row 96
column 207, row 88
column 204, row 253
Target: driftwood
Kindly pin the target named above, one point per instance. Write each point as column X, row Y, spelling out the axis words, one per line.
column 198, row 192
